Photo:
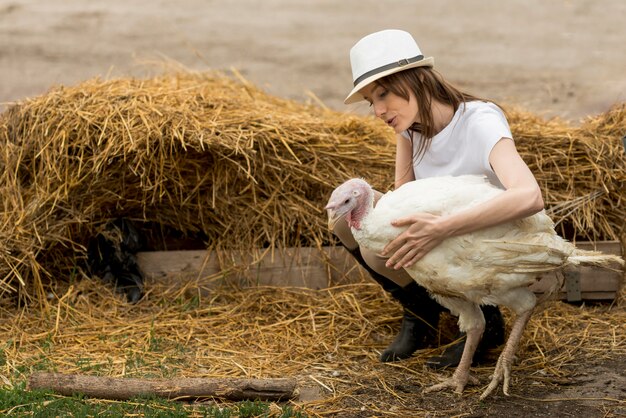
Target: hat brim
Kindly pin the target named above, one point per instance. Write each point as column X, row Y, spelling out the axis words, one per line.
column 355, row 96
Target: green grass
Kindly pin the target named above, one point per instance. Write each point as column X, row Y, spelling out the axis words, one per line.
column 19, row 402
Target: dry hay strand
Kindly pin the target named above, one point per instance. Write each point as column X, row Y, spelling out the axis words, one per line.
column 329, row 340
column 206, row 156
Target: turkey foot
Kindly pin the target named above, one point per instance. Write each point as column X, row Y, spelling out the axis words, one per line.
column 502, row 372
column 456, row 382
column 462, row 375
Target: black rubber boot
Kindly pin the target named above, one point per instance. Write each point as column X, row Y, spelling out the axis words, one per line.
column 419, row 321
column 492, row 338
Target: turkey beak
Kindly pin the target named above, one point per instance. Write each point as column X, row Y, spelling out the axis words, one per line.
column 333, row 217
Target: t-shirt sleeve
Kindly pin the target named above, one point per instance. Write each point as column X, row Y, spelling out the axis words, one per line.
column 485, row 129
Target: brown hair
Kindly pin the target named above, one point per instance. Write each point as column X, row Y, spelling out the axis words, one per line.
column 427, row 85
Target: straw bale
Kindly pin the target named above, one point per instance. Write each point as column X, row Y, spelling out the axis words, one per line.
column 211, row 157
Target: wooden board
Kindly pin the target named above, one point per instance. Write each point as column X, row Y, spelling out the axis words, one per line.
column 315, row 269
column 299, row 267
column 585, row 282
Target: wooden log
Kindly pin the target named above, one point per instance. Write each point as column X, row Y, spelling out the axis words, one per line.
column 179, row 389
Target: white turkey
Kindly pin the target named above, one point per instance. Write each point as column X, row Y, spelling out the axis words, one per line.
column 493, row 266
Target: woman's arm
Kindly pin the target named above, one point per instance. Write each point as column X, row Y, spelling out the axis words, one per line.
column 404, row 161
column 521, row 198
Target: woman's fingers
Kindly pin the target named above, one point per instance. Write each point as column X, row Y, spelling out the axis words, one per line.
column 402, row 256
column 411, row 245
column 409, row 258
column 400, row 240
column 394, row 245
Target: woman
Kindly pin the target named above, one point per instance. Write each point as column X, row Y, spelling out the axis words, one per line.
column 440, row 131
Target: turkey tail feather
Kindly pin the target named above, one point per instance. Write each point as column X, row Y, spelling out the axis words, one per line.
column 594, row 258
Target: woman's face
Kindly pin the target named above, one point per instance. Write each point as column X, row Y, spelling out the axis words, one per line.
column 397, row 112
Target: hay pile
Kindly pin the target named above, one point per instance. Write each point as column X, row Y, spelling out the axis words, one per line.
column 581, row 170
column 206, row 156
column 195, row 153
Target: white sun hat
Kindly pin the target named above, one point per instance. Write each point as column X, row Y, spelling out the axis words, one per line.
column 382, row 53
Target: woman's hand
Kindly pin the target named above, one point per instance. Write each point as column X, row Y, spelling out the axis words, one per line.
column 423, row 234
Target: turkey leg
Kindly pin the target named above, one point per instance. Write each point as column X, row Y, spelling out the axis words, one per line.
column 461, row 375
column 502, row 371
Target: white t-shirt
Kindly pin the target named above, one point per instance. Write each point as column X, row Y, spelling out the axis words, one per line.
column 464, row 145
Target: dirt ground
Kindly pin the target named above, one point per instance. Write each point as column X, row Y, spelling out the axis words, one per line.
column 590, row 390
column 559, row 58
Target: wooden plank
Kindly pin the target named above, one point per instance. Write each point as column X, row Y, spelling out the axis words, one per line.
column 299, row 267
column 601, row 285
column 608, row 247
column 312, row 268
column 595, row 283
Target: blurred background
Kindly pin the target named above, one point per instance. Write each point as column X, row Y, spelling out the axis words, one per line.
column 555, row 58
